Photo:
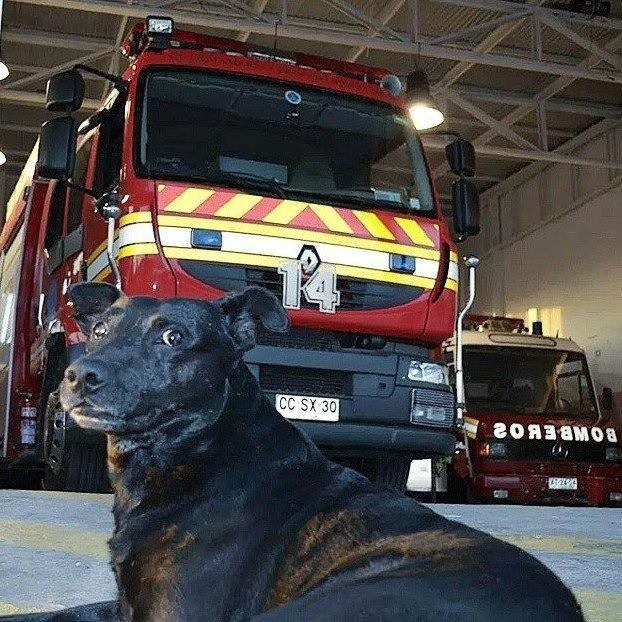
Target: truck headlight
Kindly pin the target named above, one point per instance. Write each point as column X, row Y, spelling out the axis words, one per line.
column 492, row 450
column 431, row 407
column 613, row 453
column 427, row 372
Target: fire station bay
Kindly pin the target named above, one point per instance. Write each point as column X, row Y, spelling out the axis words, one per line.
column 430, row 191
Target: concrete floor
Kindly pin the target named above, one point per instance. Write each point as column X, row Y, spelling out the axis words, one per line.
column 53, row 548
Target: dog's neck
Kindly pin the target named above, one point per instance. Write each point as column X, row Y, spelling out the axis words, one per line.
column 239, row 437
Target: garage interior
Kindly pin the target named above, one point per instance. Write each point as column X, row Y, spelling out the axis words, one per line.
column 535, row 85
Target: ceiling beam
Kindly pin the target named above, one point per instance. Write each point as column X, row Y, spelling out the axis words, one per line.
column 482, row 115
column 438, row 143
column 518, row 98
column 31, row 98
column 384, row 17
column 528, row 129
column 615, row 60
column 46, row 73
column 47, row 39
column 307, row 33
column 20, row 128
column 506, row 6
column 546, row 93
column 258, row 6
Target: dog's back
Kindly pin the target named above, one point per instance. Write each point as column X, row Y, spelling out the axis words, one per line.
column 224, row 511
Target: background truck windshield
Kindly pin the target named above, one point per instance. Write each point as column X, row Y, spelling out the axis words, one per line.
column 280, row 139
column 529, row 381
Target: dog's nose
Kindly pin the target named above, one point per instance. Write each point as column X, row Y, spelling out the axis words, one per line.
column 87, row 375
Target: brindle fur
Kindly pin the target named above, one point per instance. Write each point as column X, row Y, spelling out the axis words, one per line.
column 224, row 511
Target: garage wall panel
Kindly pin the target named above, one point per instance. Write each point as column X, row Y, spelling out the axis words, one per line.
column 558, row 245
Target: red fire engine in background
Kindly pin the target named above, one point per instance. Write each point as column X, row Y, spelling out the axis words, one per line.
column 535, row 431
column 211, row 167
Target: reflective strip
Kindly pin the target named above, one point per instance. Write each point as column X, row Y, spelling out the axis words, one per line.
column 470, row 426
column 285, row 212
column 189, row 200
column 414, row 231
column 374, row 225
column 206, row 202
column 296, row 234
column 136, row 237
column 238, row 206
column 452, row 272
column 331, row 218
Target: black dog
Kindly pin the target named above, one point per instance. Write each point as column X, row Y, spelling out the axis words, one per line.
column 225, row 511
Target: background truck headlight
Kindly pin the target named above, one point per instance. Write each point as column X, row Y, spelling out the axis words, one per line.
column 427, row 372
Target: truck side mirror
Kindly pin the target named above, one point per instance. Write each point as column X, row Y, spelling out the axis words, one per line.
column 607, row 399
column 57, row 148
column 466, row 207
column 460, row 154
column 65, row 92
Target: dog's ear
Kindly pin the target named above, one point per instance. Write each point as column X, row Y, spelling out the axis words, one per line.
column 91, row 299
column 243, row 310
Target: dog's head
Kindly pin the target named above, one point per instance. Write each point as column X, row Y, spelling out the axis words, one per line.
column 146, row 358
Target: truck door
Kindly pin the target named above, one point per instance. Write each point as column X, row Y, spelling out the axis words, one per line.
column 64, row 238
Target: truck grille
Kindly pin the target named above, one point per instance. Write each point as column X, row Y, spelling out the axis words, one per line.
column 542, row 451
column 355, row 293
column 300, row 338
column 301, row 381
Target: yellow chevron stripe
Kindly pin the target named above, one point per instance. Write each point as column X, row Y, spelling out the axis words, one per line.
column 189, row 200
column 285, row 211
column 161, row 187
column 238, row 206
column 331, row 218
column 453, row 256
column 374, row 225
column 414, row 231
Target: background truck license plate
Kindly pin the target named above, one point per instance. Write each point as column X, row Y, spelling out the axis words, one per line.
column 306, row 407
column 563, row 483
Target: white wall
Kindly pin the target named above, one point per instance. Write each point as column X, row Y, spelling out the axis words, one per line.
column 554, row 239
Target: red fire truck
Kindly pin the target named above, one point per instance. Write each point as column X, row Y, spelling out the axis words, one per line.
column 213, row 166
column 534, row 430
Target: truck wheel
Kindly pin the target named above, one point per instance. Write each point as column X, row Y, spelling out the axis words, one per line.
column 391, row 472
column 69, row 464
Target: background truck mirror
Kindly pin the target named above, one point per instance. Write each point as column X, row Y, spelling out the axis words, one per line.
column 607, row 399
column 466, row 207
column 460, row 154
column 57, row 148
column 65, row 92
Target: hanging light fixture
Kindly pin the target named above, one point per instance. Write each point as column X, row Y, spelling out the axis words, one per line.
column 2, row 158
column 4, row 70
column 423, row 110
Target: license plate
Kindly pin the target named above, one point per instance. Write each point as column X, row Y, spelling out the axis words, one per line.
column 306, row 407
column 562, row 483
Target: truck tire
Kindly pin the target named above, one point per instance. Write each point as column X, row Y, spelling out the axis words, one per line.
column 70, row 464
column 391, row 472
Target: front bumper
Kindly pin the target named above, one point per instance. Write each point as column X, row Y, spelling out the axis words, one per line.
column 375, row 396
column 531, row 488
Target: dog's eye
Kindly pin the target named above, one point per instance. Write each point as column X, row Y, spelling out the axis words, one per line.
column 99, row 330
column 172, row 337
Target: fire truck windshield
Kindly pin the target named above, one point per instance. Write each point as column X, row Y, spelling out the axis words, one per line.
column 280, row 139
column 528, row 381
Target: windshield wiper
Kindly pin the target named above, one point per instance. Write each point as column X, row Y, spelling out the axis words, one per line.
column 260, row 181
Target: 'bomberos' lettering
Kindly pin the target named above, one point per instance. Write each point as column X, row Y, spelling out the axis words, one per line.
column 535, row 431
